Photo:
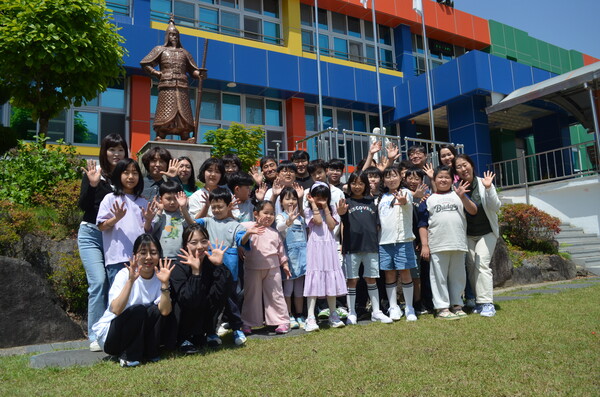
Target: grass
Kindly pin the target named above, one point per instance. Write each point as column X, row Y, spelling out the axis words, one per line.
column 545, row 345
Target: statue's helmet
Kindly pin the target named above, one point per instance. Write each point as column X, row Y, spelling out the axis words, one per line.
column 172, row 29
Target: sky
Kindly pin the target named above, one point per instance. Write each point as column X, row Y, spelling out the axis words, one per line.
column 570, row 24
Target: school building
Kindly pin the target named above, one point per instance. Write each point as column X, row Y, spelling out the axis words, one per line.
column 262, row 70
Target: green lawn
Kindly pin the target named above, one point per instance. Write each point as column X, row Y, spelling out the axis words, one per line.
column 545, row 345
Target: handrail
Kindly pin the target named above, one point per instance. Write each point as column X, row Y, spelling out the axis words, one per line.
column 567, row 162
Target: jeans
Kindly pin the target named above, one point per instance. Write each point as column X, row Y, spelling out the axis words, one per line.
column 89, row 241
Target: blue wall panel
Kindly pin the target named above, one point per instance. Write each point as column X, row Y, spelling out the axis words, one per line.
column 541, row 75
column 250, row 65
column 482, row 65
column 446, row 84
column 341, row 81
column 282, row 71
column 308, row 76
column 219, row 61
column 468, row 73
column 521, row 74
column 366, row 86
column 502, row 80
column 418, row 94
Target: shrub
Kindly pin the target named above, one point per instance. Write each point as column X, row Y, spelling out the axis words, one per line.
column 527, row 227
column 33, row 167
column 244, row 142
column 63, row 199
column 70, row 284
column 15, row 222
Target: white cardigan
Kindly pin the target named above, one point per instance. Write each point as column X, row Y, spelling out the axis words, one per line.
column 490, row 203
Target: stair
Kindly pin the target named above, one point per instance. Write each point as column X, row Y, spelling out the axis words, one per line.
column 583, row 248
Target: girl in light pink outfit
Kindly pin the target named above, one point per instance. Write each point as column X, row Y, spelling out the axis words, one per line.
column 262, row 276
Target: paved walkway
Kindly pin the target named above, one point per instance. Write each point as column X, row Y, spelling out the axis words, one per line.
column 66, row 354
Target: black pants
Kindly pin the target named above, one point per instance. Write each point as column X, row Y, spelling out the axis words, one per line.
column 233, row 307
column 135, row 334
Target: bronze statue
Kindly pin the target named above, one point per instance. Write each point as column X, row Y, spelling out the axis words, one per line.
column 173, row 114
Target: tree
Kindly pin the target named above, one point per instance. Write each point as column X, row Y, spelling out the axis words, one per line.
column 239, row 140
column 56, row 53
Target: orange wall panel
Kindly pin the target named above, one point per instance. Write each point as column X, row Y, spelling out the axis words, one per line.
column 296, row 123
column 139, row 124
column 588, row 59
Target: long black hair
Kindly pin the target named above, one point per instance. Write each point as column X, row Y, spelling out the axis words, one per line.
column 116, row 177
column 147, row 239
column 110, row 141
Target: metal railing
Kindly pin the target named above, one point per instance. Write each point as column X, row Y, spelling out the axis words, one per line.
column 330, row 52
column 553, row 165
column 208, row 26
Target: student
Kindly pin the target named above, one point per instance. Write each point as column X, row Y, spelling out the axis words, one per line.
column 417, row 155
column 301, row 158
column 324, row 276
column 267, row 173
column 139, row 302
column 335, row 171
column 157, row 163
column 375, row 177
column 443, row 230
column 186, row 175
column 396, row 251
column 168, row 225
column 222, row 227
column 482, row 233
column 240, row 184
column 360, row 244
column 121, row 216
column 286, row 178
column 263, row 265
column 212, row 174
column 199, row 288
column 95, row 185
column 232, row 164
column 292, row 227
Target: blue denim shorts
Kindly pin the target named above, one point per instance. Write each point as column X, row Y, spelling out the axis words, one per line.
column 398, row 256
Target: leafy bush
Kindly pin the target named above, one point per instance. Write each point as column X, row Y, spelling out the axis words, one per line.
column 527, row 227
column 15, row 221
column 244, row 142
column 63, row 199
column 70, row 284
column 33, row 167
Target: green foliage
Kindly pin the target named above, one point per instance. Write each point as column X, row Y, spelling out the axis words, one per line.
column 63, row 199
column 15, row 222
column 244, row 142
column 56, row 53
column 527, row 227
column 33, row 168
column 70, row 283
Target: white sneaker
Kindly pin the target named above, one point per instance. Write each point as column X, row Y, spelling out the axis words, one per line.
column 223, row 329
column 395, row 313
column 351, row 319
column 382, row 318
column 95, row 347
column 125, row 364
column 335, row 321
column 311, row 324
column 410, row 314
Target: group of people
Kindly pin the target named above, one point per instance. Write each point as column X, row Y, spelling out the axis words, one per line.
column 176, row 265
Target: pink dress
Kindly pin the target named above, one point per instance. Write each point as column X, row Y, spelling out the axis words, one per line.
column 324, row 276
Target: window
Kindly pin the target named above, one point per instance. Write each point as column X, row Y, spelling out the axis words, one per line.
column 118, row 6
column 274, row 113
column 254, row 111
column 231, row 108
column 258, row 20
column 439, row 53
column 346, row 37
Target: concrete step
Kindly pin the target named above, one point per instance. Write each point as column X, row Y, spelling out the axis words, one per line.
column 589, row 240
column 571, row 233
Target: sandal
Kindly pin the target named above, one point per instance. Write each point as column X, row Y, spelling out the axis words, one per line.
column 459, row 311
column 447, row 315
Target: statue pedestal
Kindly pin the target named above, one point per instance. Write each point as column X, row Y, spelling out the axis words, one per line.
column 196, row 152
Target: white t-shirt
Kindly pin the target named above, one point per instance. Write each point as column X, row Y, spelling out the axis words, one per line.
column 143, row 292
column 396, row 220
column 447, row 223
column 196, row 203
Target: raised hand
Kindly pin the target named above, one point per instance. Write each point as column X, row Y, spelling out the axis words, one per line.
column 392, row 151
column 421, row 191
column 293, row 214
column 163, row 270
column 299, row 190
column 172, row 170
column 375, row 147
column 118, row 211
column 133, row 268
column 150, row 212
column 93, row 173
column 182, row 199
column 256, row 229
column 342, row 207
column 194, row 261
column 488, row 179
column 462, row 188
column 401, row 198
column 256, row 174
column 261, row 191
column 277, row 187
column 217, row 253
column 428, row 168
